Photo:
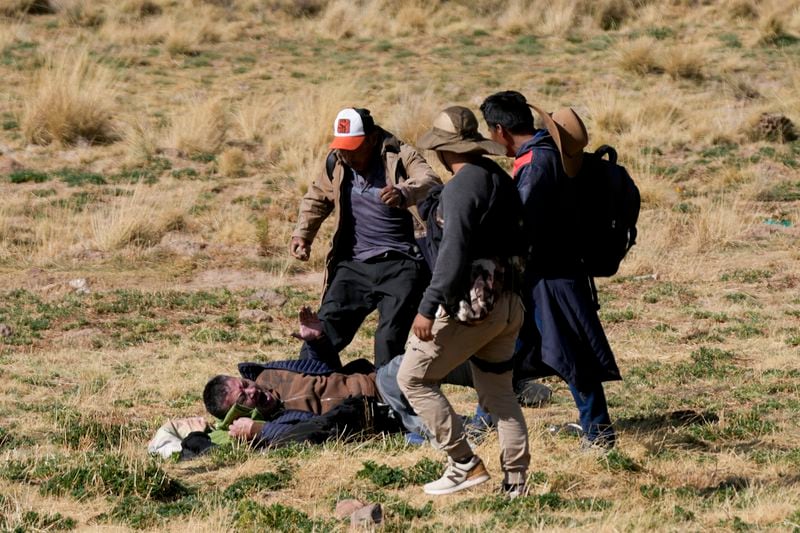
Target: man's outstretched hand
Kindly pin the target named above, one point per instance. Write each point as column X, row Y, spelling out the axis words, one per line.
column 245, row 428
column 310, row 325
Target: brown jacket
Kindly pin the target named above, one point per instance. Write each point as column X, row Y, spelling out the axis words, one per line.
column 406, row 169
column 315, row 394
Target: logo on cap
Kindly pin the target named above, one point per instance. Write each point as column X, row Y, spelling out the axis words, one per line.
column 343, row 126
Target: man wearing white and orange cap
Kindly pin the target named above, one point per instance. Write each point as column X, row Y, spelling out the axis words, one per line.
column 369, row 182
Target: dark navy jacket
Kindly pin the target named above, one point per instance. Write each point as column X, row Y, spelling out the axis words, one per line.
column 562, row 334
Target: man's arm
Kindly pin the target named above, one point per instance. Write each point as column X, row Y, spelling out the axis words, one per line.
column 315, row 207
column 420, row 177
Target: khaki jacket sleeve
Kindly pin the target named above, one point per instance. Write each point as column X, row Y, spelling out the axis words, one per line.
column 315, row 207
column 420, row 176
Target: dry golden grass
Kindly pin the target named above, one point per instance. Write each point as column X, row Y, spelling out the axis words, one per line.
column 200, row 128
column 232, row 162
column 71, row 100
column 140, row 219
column 216, row 115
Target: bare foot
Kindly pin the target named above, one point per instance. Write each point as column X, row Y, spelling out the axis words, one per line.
column 310, row 325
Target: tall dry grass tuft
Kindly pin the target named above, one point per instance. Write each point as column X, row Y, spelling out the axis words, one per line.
column 142, row 218
column 15, row 8
column 140, row 139
column 610, row 14
column 720, row 223
column 232, row 163
column 639, row 56
column 559, row 17
column 71, row 99
column 85, row 13
column 250, row 121
column 686, row 62
column 303, row 126
column 199, row 129
column 412, row 114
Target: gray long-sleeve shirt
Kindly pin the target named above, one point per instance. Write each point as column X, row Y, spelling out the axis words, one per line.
column 471, row 231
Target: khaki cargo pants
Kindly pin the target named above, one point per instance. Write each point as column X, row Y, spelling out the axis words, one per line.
column 492, row 340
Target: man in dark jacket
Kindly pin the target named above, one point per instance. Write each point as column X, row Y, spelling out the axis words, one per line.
column 470, row 307
column 369, row 182
column 562, row 333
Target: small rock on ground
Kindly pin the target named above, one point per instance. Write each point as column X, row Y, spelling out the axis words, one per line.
column 367, row 516
column 5, row 330
column 345, row 508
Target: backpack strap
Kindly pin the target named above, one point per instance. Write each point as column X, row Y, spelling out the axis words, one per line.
column 609, row 151
column 330, row 163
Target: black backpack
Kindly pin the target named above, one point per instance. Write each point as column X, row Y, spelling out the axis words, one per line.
column 608, row 208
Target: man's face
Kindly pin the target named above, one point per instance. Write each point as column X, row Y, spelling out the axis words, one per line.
column 245, row 393
column 499, row 135
column 359, row 158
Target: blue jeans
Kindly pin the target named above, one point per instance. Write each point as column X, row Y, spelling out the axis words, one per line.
column 593, row 413
column 386, row 382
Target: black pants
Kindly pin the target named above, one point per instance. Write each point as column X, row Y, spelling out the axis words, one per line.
column 391, row 284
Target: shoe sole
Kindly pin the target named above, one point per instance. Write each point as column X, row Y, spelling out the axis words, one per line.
column 467, row 484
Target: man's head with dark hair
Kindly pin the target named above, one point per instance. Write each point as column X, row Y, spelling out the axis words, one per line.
column 509, row 109
column 214, row 396
column 222, row 392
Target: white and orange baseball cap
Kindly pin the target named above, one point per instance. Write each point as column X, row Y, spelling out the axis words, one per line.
column 351, row 127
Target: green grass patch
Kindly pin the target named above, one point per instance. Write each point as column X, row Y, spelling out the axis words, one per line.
column 616, row 461
column 746, row 275
column 78, row 178
column 252, row 516
column 141, row 513
column 28, row 176
column 424, row 471
column 615, row 316
column 251, row 485
column 95, row 474
column 786, row 191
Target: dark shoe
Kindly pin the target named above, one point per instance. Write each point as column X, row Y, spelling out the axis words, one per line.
column 513, row 490
column 530, row 393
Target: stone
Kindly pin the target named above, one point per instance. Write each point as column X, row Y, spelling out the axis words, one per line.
column 254, row 315
column 80, row 285
column 367, row 516
column 268, row 297
column 774, row 128
column 181, row 244
column 345, row 508
column 5, row 330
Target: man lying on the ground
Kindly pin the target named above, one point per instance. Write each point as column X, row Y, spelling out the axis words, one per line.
column 307, row 401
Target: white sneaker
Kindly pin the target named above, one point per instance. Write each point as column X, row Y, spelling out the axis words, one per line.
column 458, row 476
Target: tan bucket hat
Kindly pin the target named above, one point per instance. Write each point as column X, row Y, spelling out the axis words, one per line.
column 569, row 134
column 456, row 130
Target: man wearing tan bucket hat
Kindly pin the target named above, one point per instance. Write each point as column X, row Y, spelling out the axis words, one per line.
column 471, row 310
column 562, row 333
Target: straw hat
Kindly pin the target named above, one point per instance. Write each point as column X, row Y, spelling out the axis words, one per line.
column 569, row 134
column 456, row 130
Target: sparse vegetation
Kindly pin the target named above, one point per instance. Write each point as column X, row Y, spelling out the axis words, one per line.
column 157, row 150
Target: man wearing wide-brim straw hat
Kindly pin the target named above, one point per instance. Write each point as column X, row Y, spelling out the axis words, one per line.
column 562, row 333
column 470, row 311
